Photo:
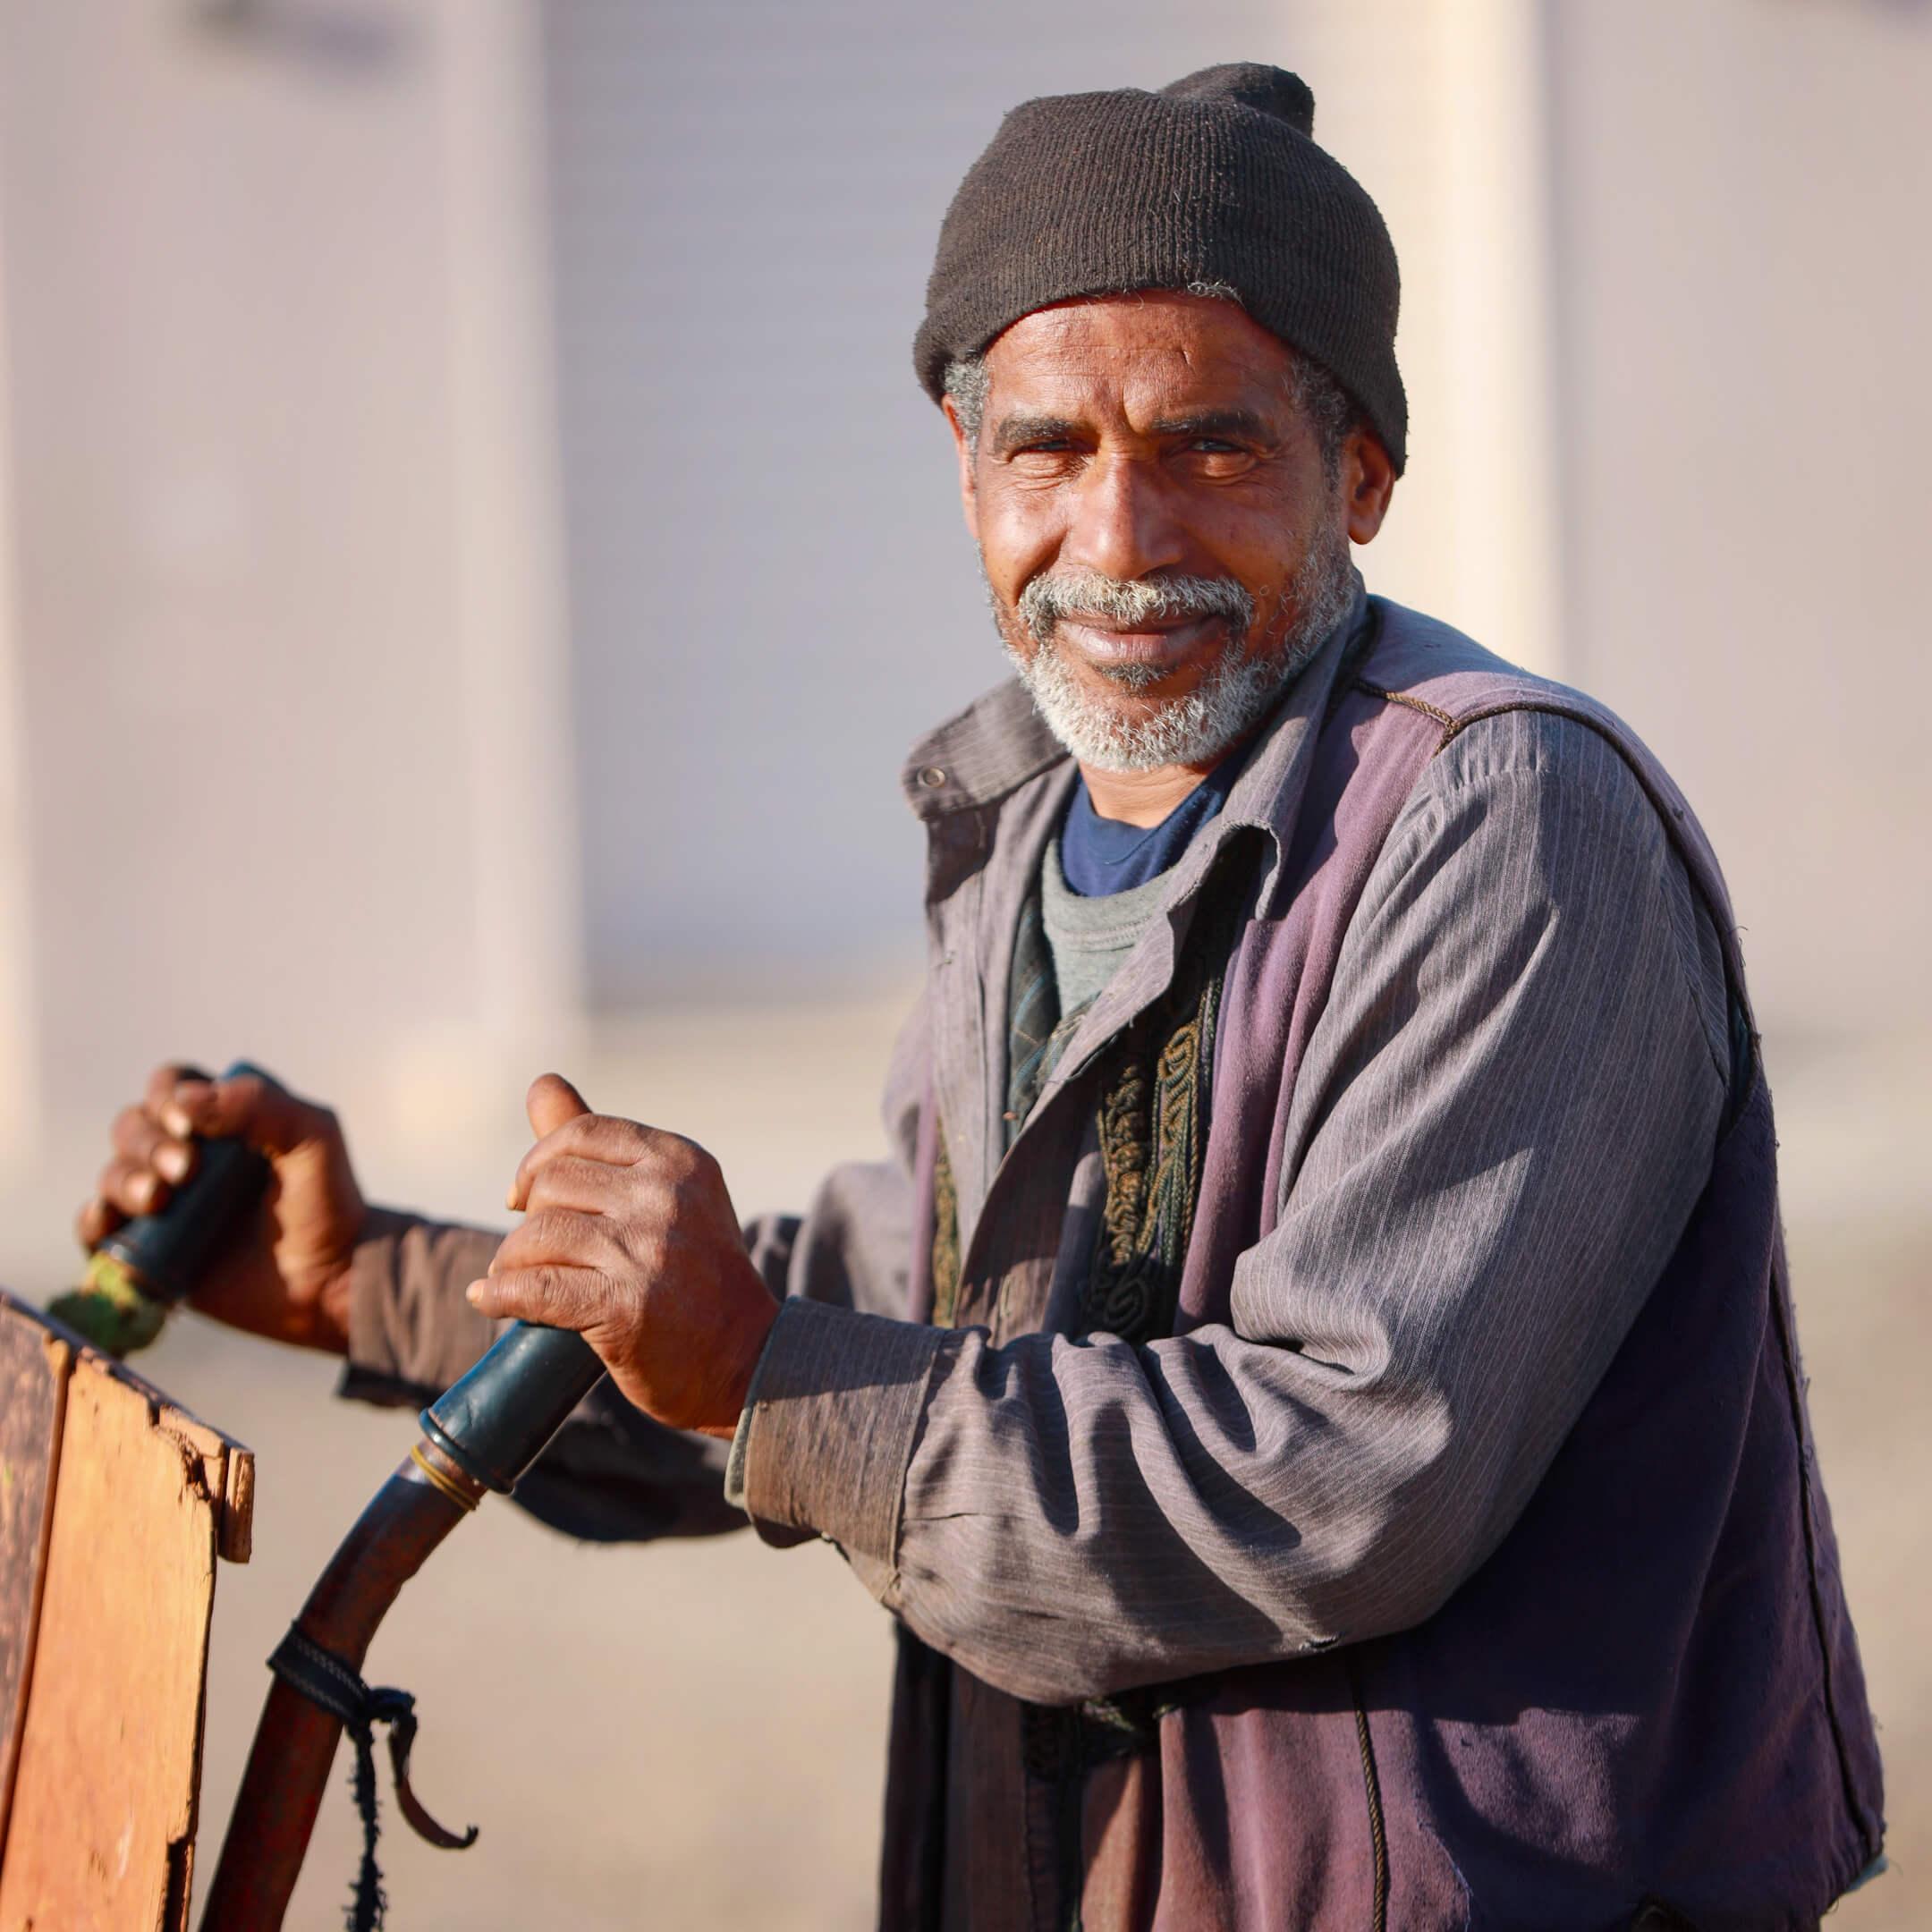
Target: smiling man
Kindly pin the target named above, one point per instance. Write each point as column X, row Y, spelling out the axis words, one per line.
column 1316, row 1384
column 1158, row 519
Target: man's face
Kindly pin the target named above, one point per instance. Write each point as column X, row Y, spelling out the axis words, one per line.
column 1159, row 534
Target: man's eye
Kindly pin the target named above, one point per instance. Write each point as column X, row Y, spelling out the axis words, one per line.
column 1213, row 447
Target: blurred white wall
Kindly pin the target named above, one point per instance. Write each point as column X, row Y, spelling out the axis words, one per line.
column 1744, row 295
column 468, row 526
column 282, row 650
column 1659, row 269
column 771, row 592
column 358, row 719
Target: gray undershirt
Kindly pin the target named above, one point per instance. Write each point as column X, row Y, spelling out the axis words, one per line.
column 1089, row 939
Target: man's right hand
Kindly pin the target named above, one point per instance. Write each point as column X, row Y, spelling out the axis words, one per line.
column 287, row 1275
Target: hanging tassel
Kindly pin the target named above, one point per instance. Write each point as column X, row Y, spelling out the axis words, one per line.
column 330, row 1684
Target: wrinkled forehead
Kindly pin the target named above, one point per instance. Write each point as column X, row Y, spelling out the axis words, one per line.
column 1138, row 356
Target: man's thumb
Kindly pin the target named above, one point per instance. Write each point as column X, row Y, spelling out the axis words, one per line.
column 552, row 1101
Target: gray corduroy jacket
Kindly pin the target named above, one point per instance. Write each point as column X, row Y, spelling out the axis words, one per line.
column 1467, row 1524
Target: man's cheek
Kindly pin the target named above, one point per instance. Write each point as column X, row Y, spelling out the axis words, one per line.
column 1019, row 538
column 1014, row 631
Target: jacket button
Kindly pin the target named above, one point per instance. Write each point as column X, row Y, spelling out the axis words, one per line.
column 932, row 777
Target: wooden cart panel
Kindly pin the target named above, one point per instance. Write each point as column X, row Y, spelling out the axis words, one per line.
column 104, row 1676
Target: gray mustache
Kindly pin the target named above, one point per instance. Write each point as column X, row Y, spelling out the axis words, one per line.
column 1081, row 593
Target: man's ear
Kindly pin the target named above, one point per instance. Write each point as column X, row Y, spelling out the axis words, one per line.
column 963, row 446
column 1367, row 483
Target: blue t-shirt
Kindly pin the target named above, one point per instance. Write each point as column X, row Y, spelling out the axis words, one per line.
column 1107, row 855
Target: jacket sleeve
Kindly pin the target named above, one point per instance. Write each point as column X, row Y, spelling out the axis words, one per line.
column 1502, row 1123
column 612, row 1474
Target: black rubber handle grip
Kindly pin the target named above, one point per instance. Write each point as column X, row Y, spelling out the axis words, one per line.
column 493, row 1423
column 167, row 1252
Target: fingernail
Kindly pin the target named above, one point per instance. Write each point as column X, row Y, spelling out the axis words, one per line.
column 473, row 1293
column 175, row 1120
column 172, row 1163
column 509, row 1200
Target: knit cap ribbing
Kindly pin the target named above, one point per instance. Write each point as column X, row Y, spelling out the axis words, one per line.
column 1216, row 180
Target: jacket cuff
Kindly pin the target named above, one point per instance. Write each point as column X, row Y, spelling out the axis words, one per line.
column 829, row 1427
column 410, row 1329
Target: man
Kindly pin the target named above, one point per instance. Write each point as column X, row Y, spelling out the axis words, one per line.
column 1316, row 1385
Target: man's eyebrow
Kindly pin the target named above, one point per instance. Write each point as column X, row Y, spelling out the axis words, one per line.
column 1017, row 431
column 1217, row 422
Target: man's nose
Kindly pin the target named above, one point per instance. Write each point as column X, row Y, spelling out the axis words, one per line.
column 1125, row 523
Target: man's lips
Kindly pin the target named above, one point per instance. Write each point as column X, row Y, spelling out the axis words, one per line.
column 1159, row 645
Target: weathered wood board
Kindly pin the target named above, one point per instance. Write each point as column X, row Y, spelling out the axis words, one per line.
column 33, row 1386
column 145, row 1497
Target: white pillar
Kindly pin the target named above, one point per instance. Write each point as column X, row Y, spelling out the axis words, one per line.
column 1435, row 107
column 505, row 488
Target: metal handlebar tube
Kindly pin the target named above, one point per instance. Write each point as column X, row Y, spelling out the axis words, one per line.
column 149, row 1264
column 479, row 1436
column 493, row 1422
column 167, row 1252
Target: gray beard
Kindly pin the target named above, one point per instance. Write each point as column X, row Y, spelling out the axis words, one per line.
column 1234, row 694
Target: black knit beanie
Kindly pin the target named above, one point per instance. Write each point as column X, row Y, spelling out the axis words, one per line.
column 1215, row 179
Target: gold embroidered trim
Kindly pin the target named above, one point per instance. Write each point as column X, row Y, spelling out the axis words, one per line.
column 946, row 1241
column 1153, row 1135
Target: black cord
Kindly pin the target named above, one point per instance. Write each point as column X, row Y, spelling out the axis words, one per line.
column 332, row 1685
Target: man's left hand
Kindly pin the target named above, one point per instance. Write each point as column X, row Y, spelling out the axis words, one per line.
column 629, row 1237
